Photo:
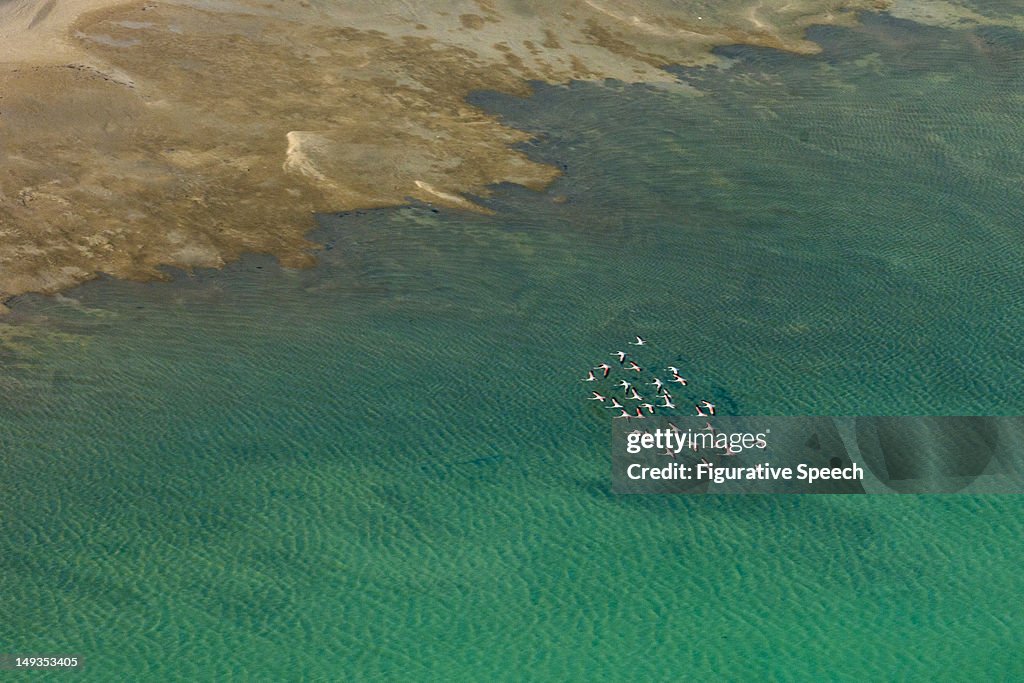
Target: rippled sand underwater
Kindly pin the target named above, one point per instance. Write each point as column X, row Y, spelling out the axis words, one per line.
column 384, row 468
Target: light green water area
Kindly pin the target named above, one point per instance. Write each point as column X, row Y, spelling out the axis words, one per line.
column 384, row 468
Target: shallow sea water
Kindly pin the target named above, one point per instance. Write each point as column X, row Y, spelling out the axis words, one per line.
column 383, row 468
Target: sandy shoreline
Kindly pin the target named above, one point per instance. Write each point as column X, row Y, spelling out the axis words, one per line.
column 139, row 134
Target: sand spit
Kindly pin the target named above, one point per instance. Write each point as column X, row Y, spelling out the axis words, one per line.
column 134, row 135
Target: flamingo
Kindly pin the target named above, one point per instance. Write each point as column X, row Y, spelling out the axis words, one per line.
column 639, row 342
column 590, row 377
column 596, row 397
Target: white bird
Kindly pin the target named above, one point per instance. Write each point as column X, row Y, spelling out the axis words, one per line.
column 669, row 452
column 638, row 342
column 708, row 427
column 678, row 380
column 590, row 377
column 624, row 384
column 639, row 415
column 634, row 367
column 605, row 367
column 709, row 406
column 635, row 396
column 673, row 369
column 596, row 397
column 657, row 383
column 648, row 407
column 615, row 403
column 667, row 403
column 621, row 356
column 700, row 413
column 674, row 427
column 665, row 394
column 622, row 415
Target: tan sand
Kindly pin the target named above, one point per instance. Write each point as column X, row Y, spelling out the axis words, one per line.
column 137, row 134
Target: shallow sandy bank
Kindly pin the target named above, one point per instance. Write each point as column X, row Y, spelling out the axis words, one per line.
column 139, row 134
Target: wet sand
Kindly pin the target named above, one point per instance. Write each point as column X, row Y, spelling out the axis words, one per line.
column 136, row 135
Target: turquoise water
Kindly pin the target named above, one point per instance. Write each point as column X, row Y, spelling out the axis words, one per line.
column 382, row 468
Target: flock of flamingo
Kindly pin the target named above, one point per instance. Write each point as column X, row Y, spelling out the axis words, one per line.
column 662, row 396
